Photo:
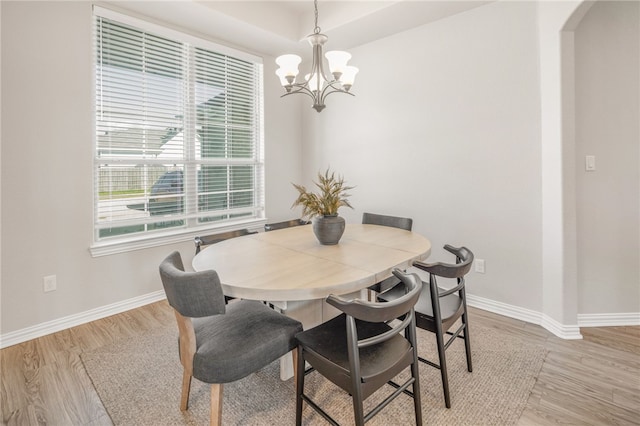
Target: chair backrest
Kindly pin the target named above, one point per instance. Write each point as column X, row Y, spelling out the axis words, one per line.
column 464, row 260
column 384, row 220
column 285, row 224
column 216, row 238
column 383, row 311
column 192, row 294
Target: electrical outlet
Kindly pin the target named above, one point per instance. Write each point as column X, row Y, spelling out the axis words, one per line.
column 479, row 266
column 49, row 283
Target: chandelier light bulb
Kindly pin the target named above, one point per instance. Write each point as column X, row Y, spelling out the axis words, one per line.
column 348, row 77
column 337, row 62
column 283, row 79
column 288, row 67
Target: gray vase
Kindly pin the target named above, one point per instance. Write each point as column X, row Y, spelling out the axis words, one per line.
column 328, row 229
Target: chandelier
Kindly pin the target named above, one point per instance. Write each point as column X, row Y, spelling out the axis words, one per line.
column 318, row 84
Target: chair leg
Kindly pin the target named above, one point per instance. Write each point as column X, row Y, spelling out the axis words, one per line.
column 443, row 365
column 467, row 342
column 216, row 404
column 358, row 407
column 416, row 391
column 356, row 394
column 299, row 377
column 294, row 359
column 186, row 387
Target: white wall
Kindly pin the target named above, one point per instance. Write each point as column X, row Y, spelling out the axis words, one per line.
column 607, row 67
column 445, row 128
column 47, row 170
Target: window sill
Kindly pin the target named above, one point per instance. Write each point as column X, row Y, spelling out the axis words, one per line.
column 108, row 248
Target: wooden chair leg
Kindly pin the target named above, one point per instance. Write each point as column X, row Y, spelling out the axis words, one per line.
column 186, row 387
column 295, row 360
column 216, row 404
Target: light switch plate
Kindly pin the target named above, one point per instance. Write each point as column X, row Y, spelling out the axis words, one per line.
column 590, row 163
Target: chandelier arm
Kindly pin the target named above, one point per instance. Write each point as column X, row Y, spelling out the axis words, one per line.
column 332, row 85
column 324, row 95
column 332, row 88
column 300, row 88
column 326, row 92
column 304, row 92
column 318, row 100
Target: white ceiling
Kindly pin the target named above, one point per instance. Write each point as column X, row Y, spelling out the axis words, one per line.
column 276, row 27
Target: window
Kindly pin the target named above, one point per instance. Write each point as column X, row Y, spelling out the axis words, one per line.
column 178, row 132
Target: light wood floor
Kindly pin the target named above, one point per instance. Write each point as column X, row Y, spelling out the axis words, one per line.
column 595, row 381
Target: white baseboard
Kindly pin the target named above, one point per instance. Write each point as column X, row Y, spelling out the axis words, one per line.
column 561, row 330
column 511, row 311
column 527, row 315
column 568, row 332
column 608, row 320
column 19, row 336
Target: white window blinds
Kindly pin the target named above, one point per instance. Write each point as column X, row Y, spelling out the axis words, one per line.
column 178, row 132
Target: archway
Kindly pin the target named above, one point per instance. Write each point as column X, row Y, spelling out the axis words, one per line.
column 557, row 98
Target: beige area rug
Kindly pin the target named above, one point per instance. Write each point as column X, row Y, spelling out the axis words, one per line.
column 139, row 380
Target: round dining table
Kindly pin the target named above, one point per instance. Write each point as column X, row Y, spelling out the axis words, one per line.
column 291, row 270
column 291, row 265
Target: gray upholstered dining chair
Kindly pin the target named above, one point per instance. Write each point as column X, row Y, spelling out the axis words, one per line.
column 439, row 309
column 221, row 343
column 285, row 224
column 394, row 222
column 363, row 349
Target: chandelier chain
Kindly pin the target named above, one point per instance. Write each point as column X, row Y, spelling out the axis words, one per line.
column 316, row 30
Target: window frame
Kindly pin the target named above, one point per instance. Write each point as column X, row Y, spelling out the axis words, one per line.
column 147, row 239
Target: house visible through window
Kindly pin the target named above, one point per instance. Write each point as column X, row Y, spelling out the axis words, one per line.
column 178, row 131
